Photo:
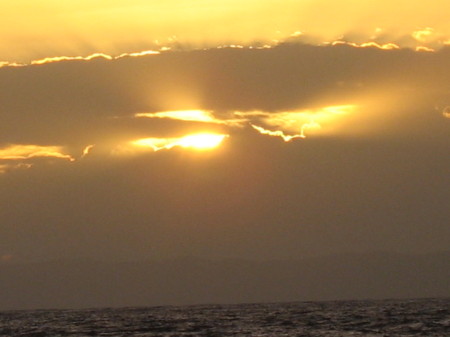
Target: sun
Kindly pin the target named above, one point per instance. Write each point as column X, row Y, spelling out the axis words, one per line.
column 197, row 141
column 201, row 141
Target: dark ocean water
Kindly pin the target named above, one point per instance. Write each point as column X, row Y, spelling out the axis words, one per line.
column 425, row 317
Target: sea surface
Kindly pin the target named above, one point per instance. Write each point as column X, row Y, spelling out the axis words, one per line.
column 424, row 317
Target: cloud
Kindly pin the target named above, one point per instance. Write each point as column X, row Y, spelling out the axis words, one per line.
column 17, row 152
column 446, row 112
column 291, row 91
column 297, row 123
column 331, row 140
column 17, row 156
column 87, row 150
column 8, row 167
column 423, row 35
column 386, row 46
column 278, row 133
column 55, row 59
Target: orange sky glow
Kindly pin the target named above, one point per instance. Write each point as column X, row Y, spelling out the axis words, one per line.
column 255, row 129
column 51, row 28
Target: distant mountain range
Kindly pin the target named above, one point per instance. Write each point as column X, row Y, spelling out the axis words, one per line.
column 86, row 283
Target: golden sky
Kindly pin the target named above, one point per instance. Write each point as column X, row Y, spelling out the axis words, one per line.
column 258, row 129
column 32, row 30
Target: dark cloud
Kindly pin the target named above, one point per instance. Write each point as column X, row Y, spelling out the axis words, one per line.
column 383, row 187
column 83, row 102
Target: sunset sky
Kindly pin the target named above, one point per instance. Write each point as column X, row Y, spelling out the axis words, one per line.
column 259, row 129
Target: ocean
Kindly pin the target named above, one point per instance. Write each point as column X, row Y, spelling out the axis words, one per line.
column 421, row 317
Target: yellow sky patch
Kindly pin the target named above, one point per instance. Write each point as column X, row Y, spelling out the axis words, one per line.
column 51, row 28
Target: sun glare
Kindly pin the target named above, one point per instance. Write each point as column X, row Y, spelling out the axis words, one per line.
column 198, row 141
column 201, row 141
